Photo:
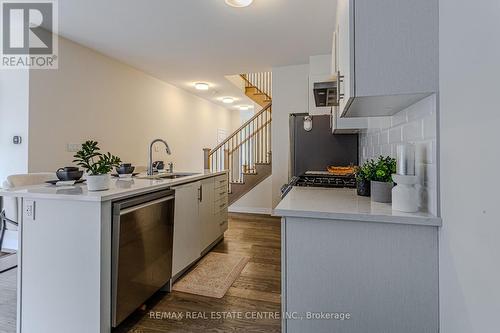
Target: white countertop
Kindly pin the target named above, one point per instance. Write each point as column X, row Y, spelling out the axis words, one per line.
column 118, row 189
column 345, row 204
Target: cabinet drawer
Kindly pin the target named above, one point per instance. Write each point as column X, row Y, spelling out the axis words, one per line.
column 220, row 193
column 220, row 205
column 221, row 181
column 223, row 225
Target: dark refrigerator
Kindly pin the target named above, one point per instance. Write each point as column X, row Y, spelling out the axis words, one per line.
column 318, row 148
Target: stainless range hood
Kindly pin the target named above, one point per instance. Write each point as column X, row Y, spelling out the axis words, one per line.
column 325, row 93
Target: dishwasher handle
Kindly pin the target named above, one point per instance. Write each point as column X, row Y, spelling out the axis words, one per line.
column 149, row 203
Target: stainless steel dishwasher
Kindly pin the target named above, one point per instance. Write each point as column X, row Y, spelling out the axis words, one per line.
column 141, row 250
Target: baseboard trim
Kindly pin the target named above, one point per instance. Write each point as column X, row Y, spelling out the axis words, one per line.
column 250, row 210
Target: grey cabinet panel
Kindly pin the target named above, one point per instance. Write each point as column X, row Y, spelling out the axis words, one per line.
column 388, row 54
column 396, row 47
column 384, row 275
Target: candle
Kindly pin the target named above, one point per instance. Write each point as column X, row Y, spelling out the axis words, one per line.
column 405, row 160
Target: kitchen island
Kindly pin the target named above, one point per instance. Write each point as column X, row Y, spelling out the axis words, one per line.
column 65, row 245
column 356, row 266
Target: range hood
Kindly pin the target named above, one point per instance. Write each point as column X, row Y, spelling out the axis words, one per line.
column 325, row 93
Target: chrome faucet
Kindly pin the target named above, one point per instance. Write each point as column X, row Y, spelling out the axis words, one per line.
column 150, row 158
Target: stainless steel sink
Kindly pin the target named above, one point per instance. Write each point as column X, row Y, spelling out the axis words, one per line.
column 174, row 175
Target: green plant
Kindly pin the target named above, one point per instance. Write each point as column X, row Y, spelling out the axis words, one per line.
column 94, row 162
column 380, row 170
column 365, row 172
column 385, row 167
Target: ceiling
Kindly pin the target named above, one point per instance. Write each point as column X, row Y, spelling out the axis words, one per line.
column 186, row 41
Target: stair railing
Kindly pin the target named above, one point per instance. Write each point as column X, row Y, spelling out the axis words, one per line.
column 261, row 81
column 243, row 149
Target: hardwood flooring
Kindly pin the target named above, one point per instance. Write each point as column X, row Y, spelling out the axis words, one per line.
column 252, row 304
column 8, row 298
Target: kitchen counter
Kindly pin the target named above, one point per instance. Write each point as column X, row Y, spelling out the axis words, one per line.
column 345, row 204
column 119, row 188
column 68, row 237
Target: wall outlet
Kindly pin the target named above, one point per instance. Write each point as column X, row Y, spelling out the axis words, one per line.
column 29, row 210
column 73, row 147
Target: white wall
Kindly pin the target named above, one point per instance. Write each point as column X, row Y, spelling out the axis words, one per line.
column 290, row 95
column 92, row 96
column 257, row 201
column 417, row 125
column 470, row 158
column 14, row 92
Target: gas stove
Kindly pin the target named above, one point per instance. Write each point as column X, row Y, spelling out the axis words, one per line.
column 320, row 179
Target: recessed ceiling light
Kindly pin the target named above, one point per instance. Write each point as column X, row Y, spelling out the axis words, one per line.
column 239, row 3
column 227, row 100
column 201, row 86
column 244, row 107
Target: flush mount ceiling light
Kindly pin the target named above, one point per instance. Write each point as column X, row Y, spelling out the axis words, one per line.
column 239, row 3
column 227, row 100
column 201, row 86
column 244, row 107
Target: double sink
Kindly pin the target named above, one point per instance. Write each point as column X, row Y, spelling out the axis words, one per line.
column 174, row 175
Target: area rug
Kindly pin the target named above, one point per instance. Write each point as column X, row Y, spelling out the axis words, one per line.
column 213, row 275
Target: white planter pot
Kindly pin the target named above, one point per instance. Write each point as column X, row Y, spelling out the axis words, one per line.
column 98, row 182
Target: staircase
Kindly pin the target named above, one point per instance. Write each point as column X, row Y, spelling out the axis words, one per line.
column 258, row 86
column 246, row 153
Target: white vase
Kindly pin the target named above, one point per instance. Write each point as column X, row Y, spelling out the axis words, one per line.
column 98, row 182
column 404, row 194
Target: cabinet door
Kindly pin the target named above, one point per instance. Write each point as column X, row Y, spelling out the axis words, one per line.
column 345, row 52
column 187, row 227
column 334, row 67
column 209, row 224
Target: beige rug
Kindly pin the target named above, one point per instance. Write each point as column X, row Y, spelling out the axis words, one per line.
column 213, row 275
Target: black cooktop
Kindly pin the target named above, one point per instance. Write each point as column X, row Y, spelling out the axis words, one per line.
column 326, row 180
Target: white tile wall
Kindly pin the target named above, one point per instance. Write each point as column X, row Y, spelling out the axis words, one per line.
column 417, row 125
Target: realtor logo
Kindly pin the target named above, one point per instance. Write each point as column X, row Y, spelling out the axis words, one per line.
column 29, row 34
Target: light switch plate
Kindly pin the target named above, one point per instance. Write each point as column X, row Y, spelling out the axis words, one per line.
column 29, row 210
column 73, row 147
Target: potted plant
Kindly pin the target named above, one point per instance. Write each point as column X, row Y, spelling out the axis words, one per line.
column 97, row 165
column 381, row 179
column 363, row 178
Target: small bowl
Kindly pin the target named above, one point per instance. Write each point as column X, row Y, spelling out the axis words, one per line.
column 125, row 170
column 69, row 175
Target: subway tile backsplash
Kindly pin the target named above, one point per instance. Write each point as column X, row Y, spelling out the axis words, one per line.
column 416, row 124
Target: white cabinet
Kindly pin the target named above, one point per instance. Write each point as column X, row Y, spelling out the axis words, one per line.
column 221, row 204
column 187, row 227
column 343, row 125
column 209, row 227
column 345, row 66
column 200, row 218
column 387, row 55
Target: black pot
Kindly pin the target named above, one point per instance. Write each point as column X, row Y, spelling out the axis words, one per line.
column 363, row 188
column 125, row 169
column 69, row 173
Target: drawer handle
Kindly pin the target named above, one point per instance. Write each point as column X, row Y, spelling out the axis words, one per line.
column 222, row 181
column 220, row 206
column 222, row 223
column 223, row 192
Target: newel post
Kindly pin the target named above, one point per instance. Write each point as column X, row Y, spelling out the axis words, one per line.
column 206, row 158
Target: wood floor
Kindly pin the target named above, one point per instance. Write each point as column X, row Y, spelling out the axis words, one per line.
column 252, row 304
